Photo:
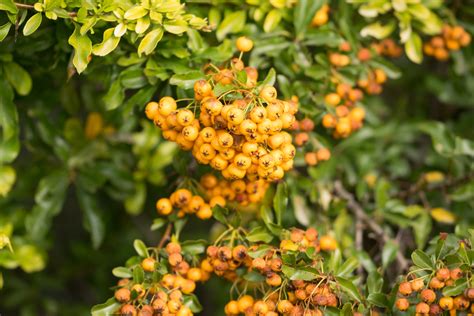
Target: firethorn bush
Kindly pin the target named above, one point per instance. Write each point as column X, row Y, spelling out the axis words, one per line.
column 236, row 157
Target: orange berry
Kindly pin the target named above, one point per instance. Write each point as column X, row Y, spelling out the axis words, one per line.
column 244, row 44
column 405, row 288
column 428, row 296
column 151, row 110
column 329, row 121
column 327, row 243
column 402, row 304
column 417, row 284
column 269, row 94
column 148, row 264
column 332, row 99
column 122, row 295
column 164, row 207
column 443, row 274
column 422, row 308
column 311, row 158
column 446, row 303
column 364, row 54
column 323, row 154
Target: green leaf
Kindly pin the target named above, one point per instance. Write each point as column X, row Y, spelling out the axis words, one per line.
column 232, row 23
column 459, row 286
column 49, row 199
column 93, row 220
column 445, row 142
column 422, row 260
column 30, row 258
column 18, row 77
column 150, row 41
column 8, row 5
column 374, row 282
column 259, row 234
column 187, row 80
column 280, row 200
column 140, row 248
column 158, row 223
column 413, row 48
column 389, row 253
column 378, row 299
column 303, row 13
column 7, row 179
column 9, row 137
column 347, row 267
column 109, row 43
column 192, row 302
column 82, row 49
column 272, row 20
column 269, row 79
column 422, row 229
column 32, row 24
column 254, row 276
column 381, row 193
column 305, row 274
column 349, row 287
column 138, row 274
column 194, row 247
column 122, row 272
column 4, row 29
column 105, row 309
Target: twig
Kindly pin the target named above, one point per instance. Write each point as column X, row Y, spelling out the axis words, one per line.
column 166, row 236
column 420, row 185
column 31, row 7
column 359, row 212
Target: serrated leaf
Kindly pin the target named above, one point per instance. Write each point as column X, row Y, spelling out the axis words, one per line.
column 32, row 24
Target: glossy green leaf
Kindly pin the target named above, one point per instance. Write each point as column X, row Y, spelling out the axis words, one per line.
column 413, row 48
column 82, row 49
column 32, row 24
column 108, row 44
column 422, row 260
column 232, row 23
column 18, row 77
column 349, row 287
column 140, row 248
column 150, row 41
column 105, row 309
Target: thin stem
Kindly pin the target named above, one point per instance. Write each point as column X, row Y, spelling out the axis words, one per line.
column 166, row 236
column 359, row 212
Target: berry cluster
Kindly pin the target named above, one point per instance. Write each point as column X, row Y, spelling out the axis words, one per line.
column 183, row 202
column 388, row 47
column 240, row 191
column 239, row 130
column 451, row 39
column 429, row 298
column 346, row 116
column 304, row 138
column 160, row 297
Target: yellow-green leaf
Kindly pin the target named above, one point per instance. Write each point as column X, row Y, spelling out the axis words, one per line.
column 135, row 12
column 4, row 29
column 272, row 19
column 109, row 43
column 82, row 49
column 442, row 215
column 149, row 42
column 413, row 48
column 7, row 179
column 32, row 24
column 176, row 27
column 142, row 25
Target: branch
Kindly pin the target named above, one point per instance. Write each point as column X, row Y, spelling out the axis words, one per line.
column 420, row 185
column 359, row 212
column 31, row 7
column 166, row 236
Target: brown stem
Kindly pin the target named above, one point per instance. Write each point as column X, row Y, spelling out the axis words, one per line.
column 31, row 7
column 166, row 236
column 359, row 212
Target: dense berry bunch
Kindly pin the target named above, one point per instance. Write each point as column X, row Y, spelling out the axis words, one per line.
column 240, row 191
column 452, row 38
column 431, row 295
column 345, row 115
column 183, row 202
column 232, row 124
column 159, row 294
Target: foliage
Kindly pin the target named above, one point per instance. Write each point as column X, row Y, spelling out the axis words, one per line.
column 383, row 136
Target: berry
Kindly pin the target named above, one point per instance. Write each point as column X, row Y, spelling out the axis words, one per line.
column 244, row 44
